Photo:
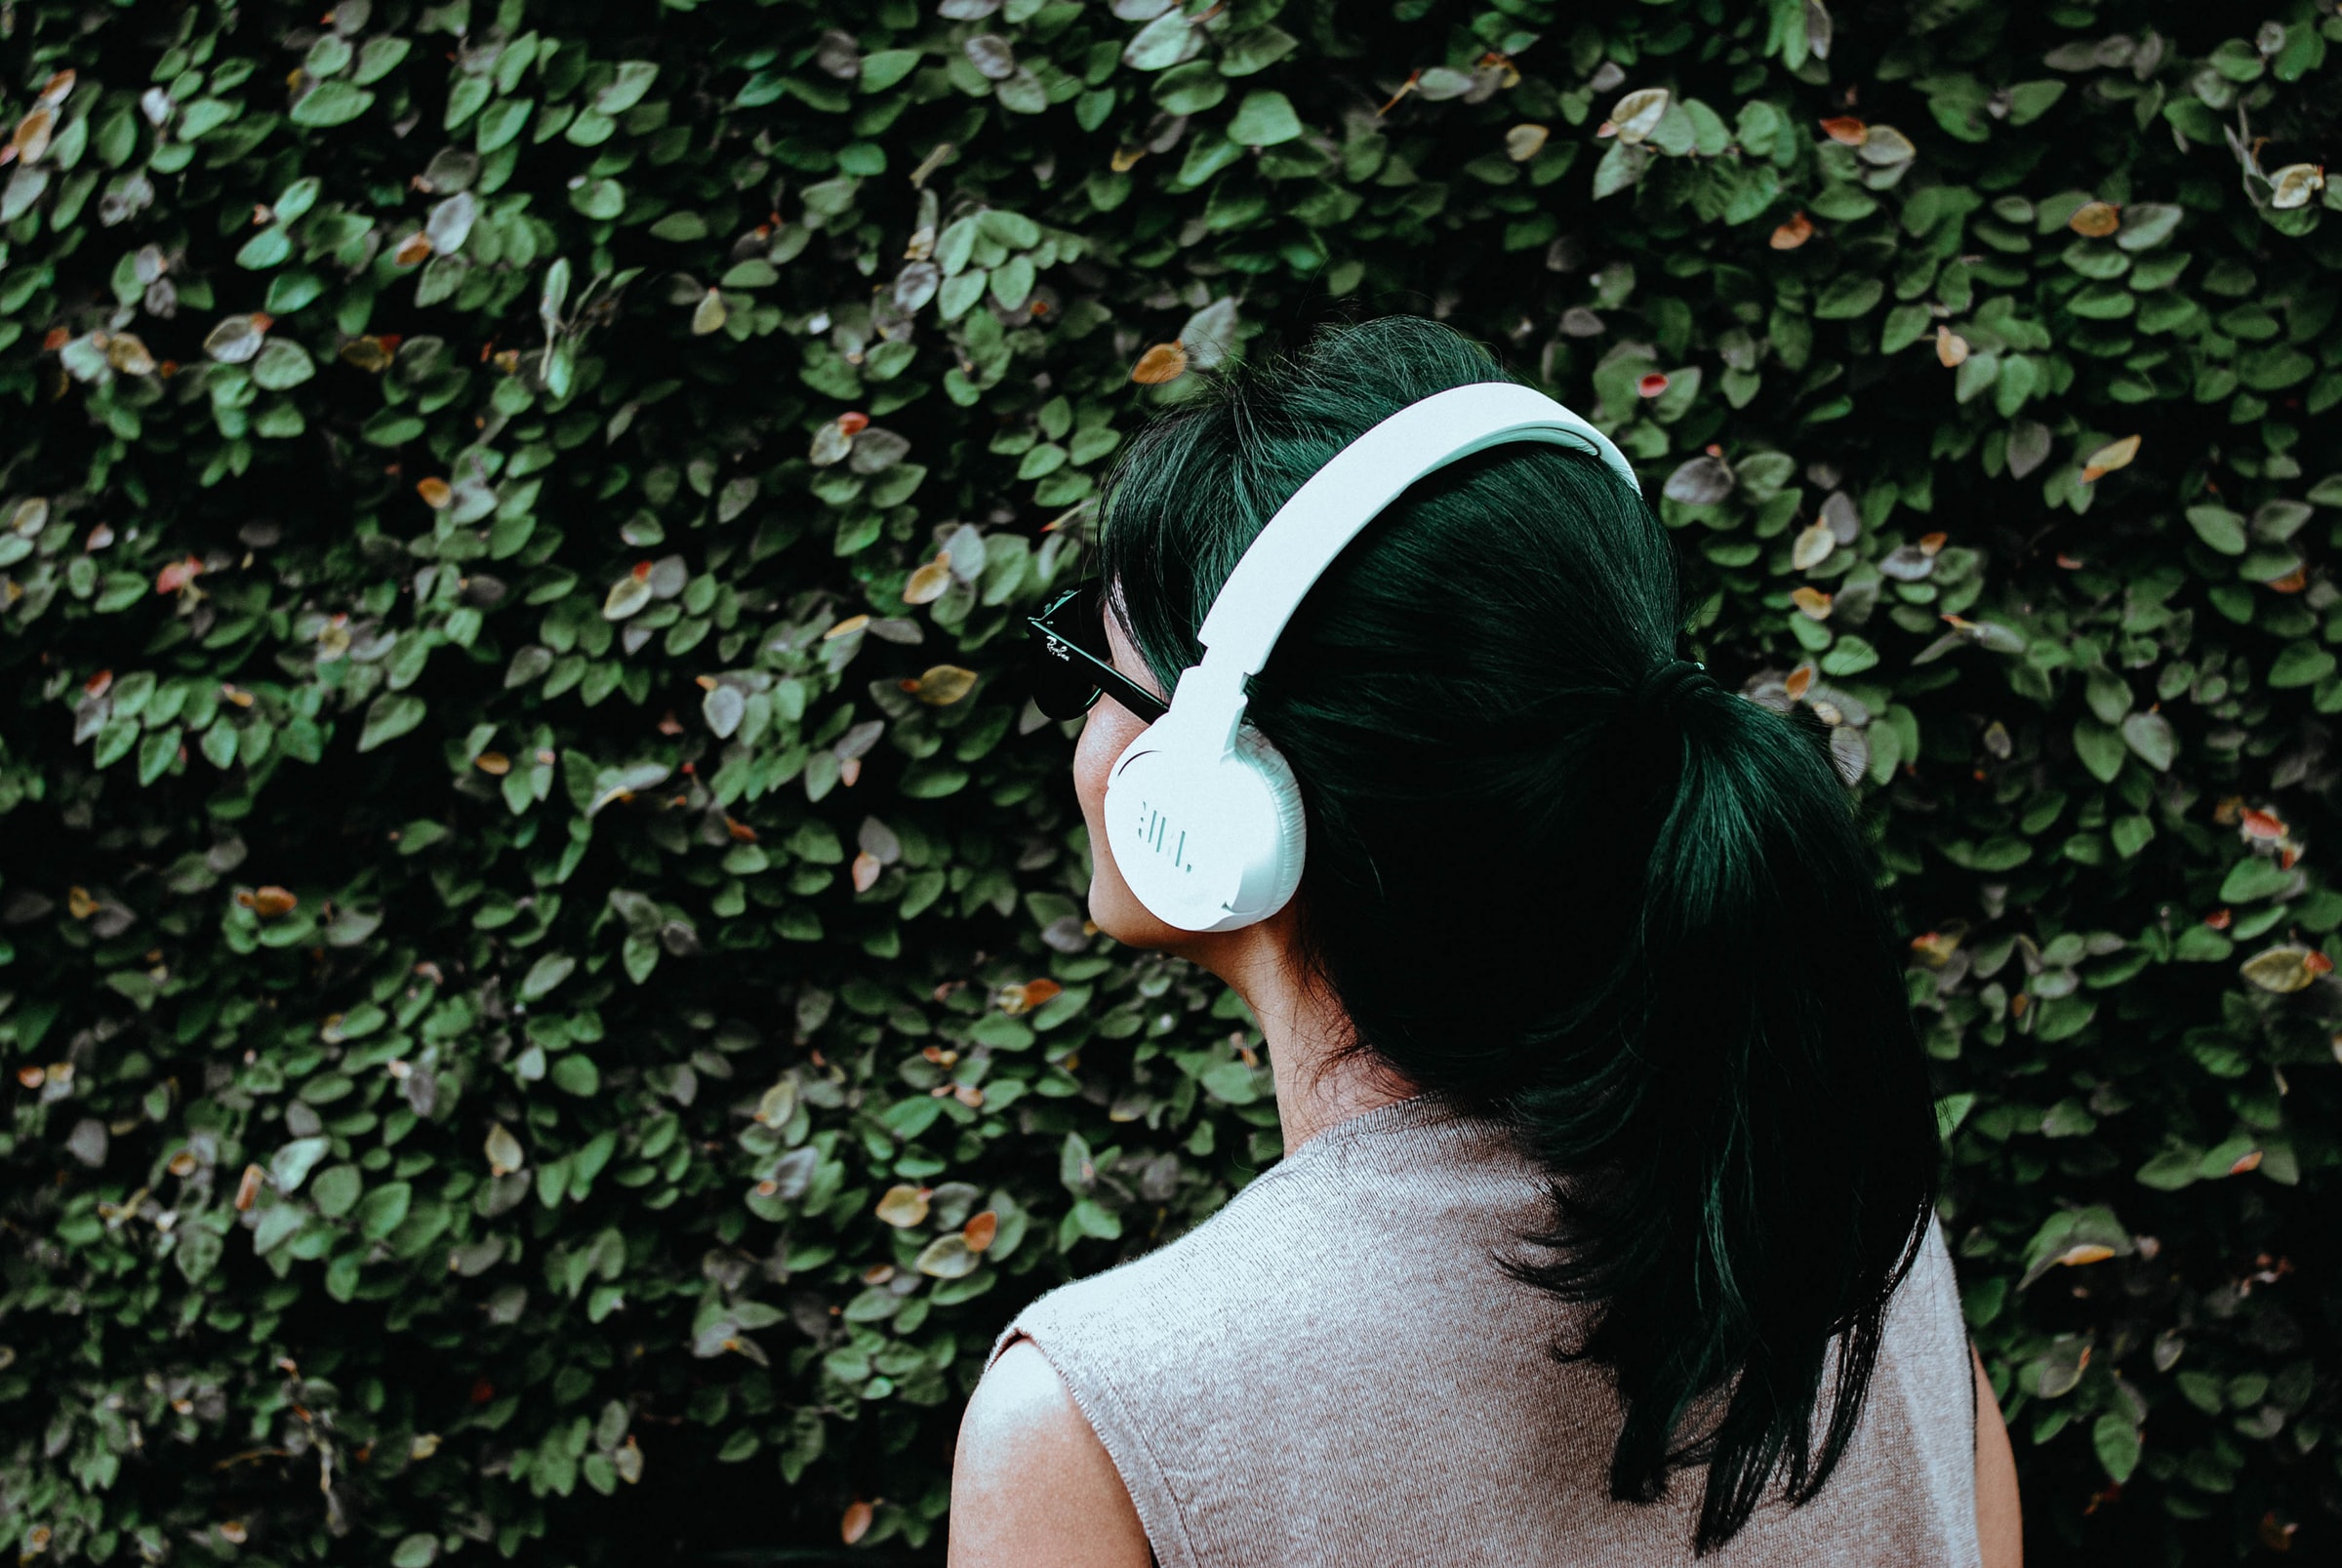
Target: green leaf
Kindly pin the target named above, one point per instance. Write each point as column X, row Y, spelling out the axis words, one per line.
column 545, row 973
column 1265, row 119
column 2300, row 664
column 2150, row 737
column 2101, row 749
column 331, row 103
column 335, row 1192
column 282, row 364
column 575, row 1073
column 384, row 1209
column 390, row 716
column 2218, row 527
column 1848, row 295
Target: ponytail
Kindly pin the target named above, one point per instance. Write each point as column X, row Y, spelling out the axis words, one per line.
column 1760, row 1178
column 1562, row 877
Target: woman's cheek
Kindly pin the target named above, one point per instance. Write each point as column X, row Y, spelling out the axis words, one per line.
column 1116, row 909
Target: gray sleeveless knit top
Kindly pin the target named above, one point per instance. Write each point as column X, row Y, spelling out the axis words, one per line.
column 1331, row 1370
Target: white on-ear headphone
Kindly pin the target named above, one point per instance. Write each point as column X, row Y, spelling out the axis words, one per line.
column 1202, row 813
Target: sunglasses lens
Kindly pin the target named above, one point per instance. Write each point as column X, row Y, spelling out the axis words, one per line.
column 1063, row 686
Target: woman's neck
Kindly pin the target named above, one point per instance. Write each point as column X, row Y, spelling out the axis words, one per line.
column 1306, row 1029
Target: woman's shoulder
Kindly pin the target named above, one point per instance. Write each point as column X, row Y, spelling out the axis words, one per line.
column 1366, row 1211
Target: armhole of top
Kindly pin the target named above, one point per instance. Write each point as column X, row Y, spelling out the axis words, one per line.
column 1009, row 1336
column 1975, row 1400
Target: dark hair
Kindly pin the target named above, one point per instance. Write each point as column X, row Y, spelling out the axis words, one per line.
column 1649, row 934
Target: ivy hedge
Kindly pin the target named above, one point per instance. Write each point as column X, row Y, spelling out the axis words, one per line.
column 544, row 996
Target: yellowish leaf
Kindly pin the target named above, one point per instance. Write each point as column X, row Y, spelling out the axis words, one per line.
column 372, row 355
column 1812, row 545
column 928, row 583
column 493, row 762
column 2107, row 458
column 2286, row 968
column 866, row 871
column 709, row 314
column 846, row 627
column 903, row 1206
column 504, row 1154
column 942, row 685
column 2088, row 1252
column 946, row 1258
column 1637, row 114
column 1812, row 602
column 2292, row 186
column 32, row 134
column 1524, row 141
column 126, row 354
column 1951, row 349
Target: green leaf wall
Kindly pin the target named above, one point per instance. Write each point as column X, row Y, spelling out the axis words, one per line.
column 543, row 987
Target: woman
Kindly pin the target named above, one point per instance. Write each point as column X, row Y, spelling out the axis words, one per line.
column 1605, row 1228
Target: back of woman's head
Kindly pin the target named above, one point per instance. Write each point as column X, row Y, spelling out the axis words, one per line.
column 1556, row 874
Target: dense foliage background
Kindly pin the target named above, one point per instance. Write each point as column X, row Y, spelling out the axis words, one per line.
column 544, row 996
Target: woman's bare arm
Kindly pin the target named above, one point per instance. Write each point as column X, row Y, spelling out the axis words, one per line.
column 1999, row 1531
column 1031, row 1485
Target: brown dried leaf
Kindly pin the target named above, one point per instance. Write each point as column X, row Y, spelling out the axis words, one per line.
column 1015, row 999
column 980, row 1231
column 1162, row 363
column 1792, row 233
column 272, row 901
column 857, row 1522
column 2095, row 219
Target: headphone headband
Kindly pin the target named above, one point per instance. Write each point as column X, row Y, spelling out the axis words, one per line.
column 1337, row 503
column 1203, row 815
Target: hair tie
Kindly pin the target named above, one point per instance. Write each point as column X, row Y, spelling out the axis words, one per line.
column 1664, row 687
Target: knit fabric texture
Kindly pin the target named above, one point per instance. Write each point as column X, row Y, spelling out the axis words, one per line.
column 1333, row 1369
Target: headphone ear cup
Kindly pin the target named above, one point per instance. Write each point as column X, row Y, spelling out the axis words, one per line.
column 1205, row 842
column 1271, row 883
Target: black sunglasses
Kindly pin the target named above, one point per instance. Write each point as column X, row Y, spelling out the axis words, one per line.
column 1073, row 665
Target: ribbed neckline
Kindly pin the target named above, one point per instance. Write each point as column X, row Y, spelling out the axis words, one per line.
column 1415, row 1126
